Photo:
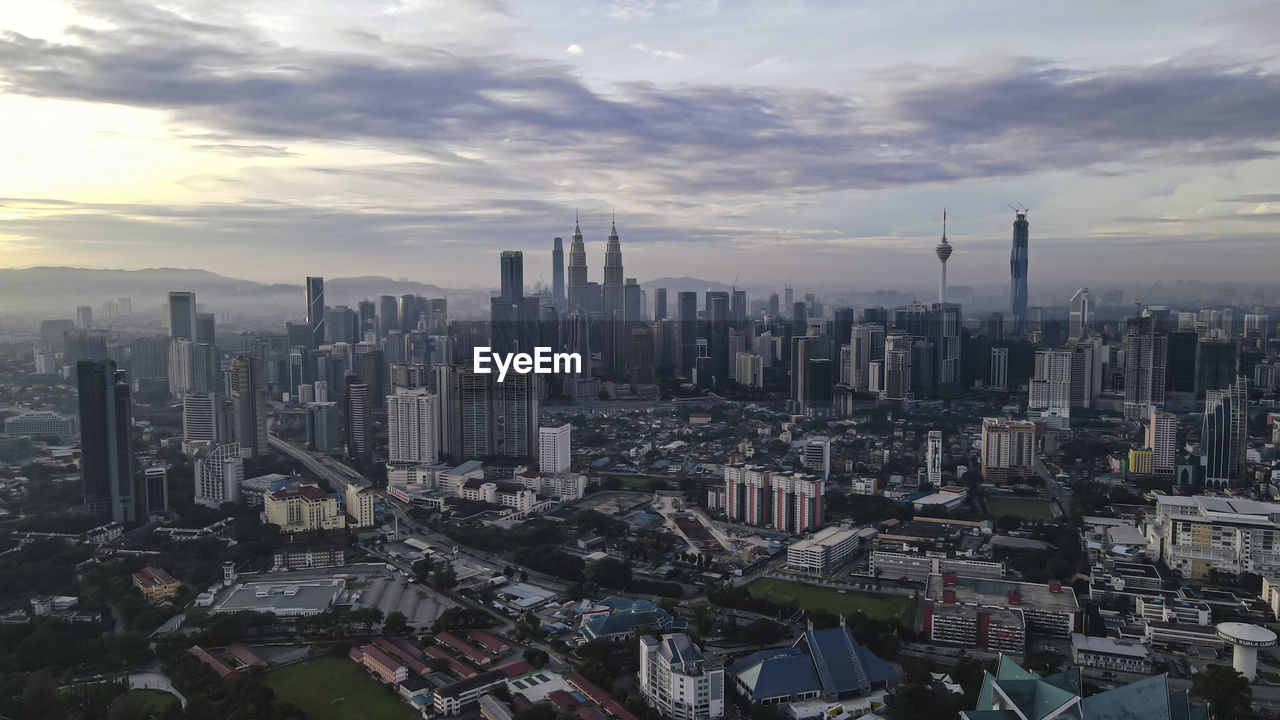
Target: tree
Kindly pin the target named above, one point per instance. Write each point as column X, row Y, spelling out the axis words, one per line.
column 762, row 632
column 1227, row 691
column 40, row 695
column 1008, row 523
column 536, row 657
column 396, row 623
column 610, row 573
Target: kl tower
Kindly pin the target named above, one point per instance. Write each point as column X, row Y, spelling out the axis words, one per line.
column 943, row 250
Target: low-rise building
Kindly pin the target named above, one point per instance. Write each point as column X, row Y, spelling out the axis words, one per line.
column 305, row 508
column 452, row 698
column 1111, row 654
column 824, row 553
column 155, row 584
column 678, row 680
column 917, row 567
column 826, row 665
column 1047, row 610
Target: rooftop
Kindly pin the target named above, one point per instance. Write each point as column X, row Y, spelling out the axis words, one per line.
column 986, row 592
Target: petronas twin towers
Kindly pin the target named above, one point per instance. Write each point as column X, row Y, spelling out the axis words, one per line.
column 608, row 300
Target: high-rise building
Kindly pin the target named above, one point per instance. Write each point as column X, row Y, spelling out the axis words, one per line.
column 738, row 308
column 84, row 317
column 557, row 275
column 614, row 303
column 202, row 419
column 933, row 458
column 1018, row 273
column 943, row 251
column 323, row 434
column 315, row 310
column 1008, row 449
column 206, row 328
column 659, row 304
column 678, row 680
column 944, row 334
column 155, row 481
column 1215, row 365
column 687, row 332
column 193, row 368
column 1146, row 353
column 1081, row 308
column 898, row 357
column 408, row 313
column 411, row 427
column 248, row 402
column 578, row 301
column 357, row 443
column 554, row 450
column 803, row 349
column 106, row 458
column 1222, row 439
column 388, row 315
column 790, row 502
column 182, row 315
column 1162, row 435
column 999, row 376
column 1049, row 393
column 219, row 472
column 512, row 272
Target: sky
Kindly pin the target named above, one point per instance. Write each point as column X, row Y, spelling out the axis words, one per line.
column 813, row 142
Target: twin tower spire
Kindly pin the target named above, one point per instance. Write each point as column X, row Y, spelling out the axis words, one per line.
column 578, row 300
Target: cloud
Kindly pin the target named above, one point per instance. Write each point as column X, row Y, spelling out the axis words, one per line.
column 574, row 49
column 663, row 54
column 238, row 150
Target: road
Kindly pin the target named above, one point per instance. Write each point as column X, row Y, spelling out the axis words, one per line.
column 331, row 471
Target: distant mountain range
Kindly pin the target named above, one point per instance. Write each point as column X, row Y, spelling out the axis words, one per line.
column 56, row 291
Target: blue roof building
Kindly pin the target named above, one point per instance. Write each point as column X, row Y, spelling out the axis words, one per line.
column 620, row 617
column 822, row 664
column 1017, row 694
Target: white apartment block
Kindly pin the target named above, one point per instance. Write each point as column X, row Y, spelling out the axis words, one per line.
column 554, row 449
column 678, row 680
column 411, row 432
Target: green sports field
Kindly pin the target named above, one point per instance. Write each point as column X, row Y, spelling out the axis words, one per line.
column 334, row 688
column 808, row 597
column 1025, row 508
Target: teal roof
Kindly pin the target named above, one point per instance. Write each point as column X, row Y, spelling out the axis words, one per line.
column 1015, row 693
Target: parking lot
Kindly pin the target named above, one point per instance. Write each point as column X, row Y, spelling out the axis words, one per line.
column 420, row 605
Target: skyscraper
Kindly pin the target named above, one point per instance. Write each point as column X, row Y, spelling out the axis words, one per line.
column 557, row 274
column 248, row 401
column 182, row 315
column 388, row 315
column 202, row 422
column 577, row 271
column 687, row 332
column 155, row 480
column 659, row 304
column 1146, row 354
column 1222, row 439
column 359, row 410
column 1162, row 434
column 943, row 251
column 1081, row 307
column 84, row 317
column 512, row 271
column 614, row 304
column 206, row 328
column 106, row 418
column 1018, row 273
column 315, row 310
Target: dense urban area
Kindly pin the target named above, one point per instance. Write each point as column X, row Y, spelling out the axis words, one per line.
column 754, row 504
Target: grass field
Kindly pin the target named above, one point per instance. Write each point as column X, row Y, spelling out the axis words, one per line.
column 334, row 688
column 1025, row 508
column 807, row 597
column 157, row 701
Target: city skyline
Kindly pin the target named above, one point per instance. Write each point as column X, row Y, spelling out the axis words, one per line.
column 415, row 140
